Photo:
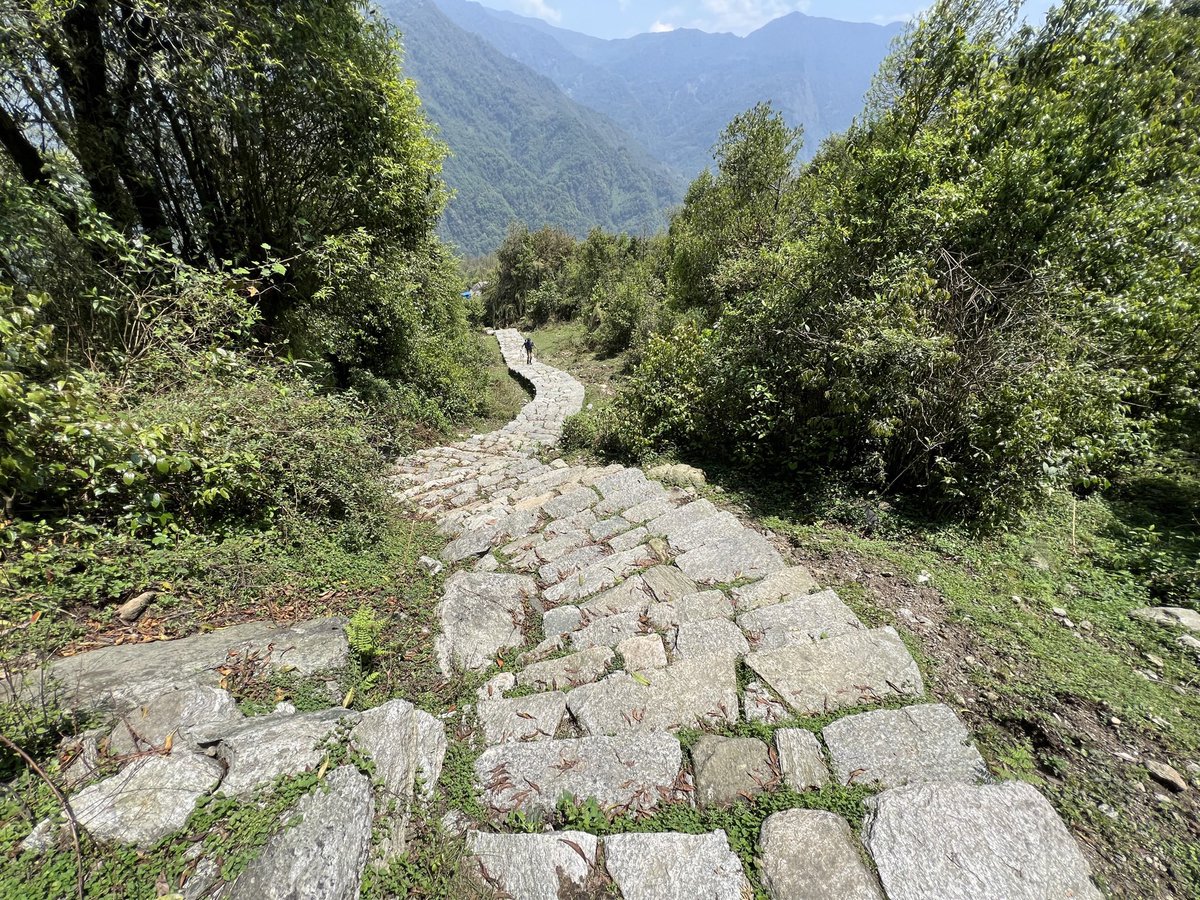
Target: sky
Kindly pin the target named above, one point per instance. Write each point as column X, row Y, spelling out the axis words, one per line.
column 623, row 18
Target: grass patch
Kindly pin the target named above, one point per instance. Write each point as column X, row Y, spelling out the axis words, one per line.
column 564, row 345
column 505, row 397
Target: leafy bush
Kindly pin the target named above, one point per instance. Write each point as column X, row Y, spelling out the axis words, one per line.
column 983, row 291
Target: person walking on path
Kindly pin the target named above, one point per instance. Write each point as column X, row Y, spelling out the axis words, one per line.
column 529, row 351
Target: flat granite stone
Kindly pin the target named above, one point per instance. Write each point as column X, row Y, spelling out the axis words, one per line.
column 322, row 857
column 964, row 842
column 745, row 555
column 570, row 564
column 532, row 718
column 196, row 716
column 812, row 855
column 643, row 654
column 567, row 671
column 480, row 614
column 124, row 677
column 627, row 541
column 731, row 769
column 800, row 759
column 561, row 620
column 712, row 636
column 665, row 583
column 692, row 692
column 669, row 866
column 624, row 773
column 599, row 577
column 671, row 525
column 894, row 747
column 703, row 530
column 534, row 866
column 608, row 631
column 570, row 503
column 405, row 743
column 848, row 670
column 147, row 800
column 698, row 607
column 760, row 705
column 810, row 618
column 628, row 596
column 266, row 747
column 788, row 584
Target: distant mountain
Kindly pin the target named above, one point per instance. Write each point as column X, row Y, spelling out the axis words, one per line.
column 676, row 91
column 522, row 149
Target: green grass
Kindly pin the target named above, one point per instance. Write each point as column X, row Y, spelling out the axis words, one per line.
column 564, row 346
column 1049, row 703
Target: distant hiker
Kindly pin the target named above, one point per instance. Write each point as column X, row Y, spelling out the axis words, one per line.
column 529, row 351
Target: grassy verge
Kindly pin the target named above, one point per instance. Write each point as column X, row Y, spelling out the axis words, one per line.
column 505, row 394
column 564, row 346
column 1027, row 633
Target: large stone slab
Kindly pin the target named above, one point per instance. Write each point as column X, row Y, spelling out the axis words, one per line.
column 1170, row 616
column 809, row 618
column 567, row 671
column 534, row 866
column 630, row 773
column 710, row 636
column 124, row 677
column 693, row 692
column 194, row 716
column 321, row 857
column 480, row 614
column 533, row 718
column 732, row 558
column 570, row 503
column 264, row 748
column 963, row 842
column 894, row 747
column 845, row 671
column 811, row 855
column 407, row 745
column 788, row 584
column 675, row 867
column 673, row 524
column 731, row 769
column 608, row 631
column 147, row 800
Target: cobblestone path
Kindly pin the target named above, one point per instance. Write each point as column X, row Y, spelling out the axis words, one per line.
column 650, row 611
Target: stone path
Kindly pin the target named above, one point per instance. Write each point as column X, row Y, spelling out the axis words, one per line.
column 618, row 612
column 622, row 611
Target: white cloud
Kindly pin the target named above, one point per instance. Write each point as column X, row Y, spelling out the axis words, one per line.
column 659, row 27
column 744, row 16
column 541, row 10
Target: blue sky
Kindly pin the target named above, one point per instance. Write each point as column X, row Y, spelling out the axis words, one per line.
column 622, row 18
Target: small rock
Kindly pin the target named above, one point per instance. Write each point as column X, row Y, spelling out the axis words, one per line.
column 1171, row 616
column 496, row 686
column 1108, row 811
column 1086, row 625
column 760, row 705
column 1166, row 775
column 924, row 578
column 1188, row 642
column 1060, row 612
column 131, row 610
column 431, row 566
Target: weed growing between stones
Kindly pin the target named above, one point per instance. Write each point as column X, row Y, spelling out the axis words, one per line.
column 742, row 822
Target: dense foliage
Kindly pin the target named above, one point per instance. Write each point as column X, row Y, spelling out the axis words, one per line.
column 985, row 289
column 222, row 302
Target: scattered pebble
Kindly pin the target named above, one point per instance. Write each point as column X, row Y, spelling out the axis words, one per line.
column 1060, row 612
column 1108, row 811
column 1155, row 660
column 1086, row 625
column 924, row 578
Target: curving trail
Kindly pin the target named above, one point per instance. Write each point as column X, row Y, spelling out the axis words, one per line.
column 625, row 611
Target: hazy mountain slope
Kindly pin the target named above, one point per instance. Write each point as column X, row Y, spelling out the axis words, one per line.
column 522, row 150
column 674, row 92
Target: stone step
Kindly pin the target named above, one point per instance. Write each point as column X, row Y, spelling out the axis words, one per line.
column 627, row 774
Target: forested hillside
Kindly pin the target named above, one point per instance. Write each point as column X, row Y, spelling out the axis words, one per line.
column 675, row 91
column 519, row 149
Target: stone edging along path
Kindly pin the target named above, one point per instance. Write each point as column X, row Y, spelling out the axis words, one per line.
column 649, row 611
